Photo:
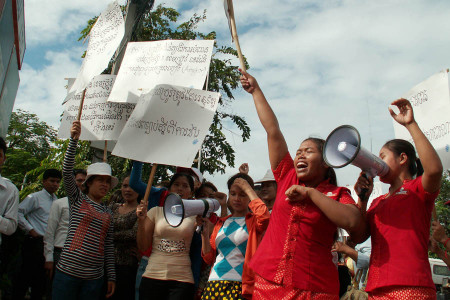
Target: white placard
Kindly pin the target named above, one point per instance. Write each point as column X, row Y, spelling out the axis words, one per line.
column 105, row 37
column 430, row 100
column 100, row 120
column 168, row 125
column 147, row 64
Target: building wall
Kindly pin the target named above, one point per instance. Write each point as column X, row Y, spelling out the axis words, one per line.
column 12, row 49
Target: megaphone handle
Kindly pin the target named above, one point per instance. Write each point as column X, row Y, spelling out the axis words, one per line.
column 363, row 194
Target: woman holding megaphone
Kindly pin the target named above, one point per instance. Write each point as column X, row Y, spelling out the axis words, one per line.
column 294, row 258
column 234, row 241
column 399, row 221
column 168, row 274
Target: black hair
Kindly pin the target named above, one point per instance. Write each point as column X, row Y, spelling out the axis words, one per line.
column 86, row 186
column 79, row 171
column 243, row 176
column 52, row 173
column 399, row 146
column 127, row 174
column 331, row 174
column 3, row 145
column 178, row 175
column 205, row 184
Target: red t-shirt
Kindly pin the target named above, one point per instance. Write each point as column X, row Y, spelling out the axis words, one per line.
column 296, row 249
column 400, row 230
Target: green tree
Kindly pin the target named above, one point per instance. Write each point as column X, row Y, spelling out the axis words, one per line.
column 442, row 210
column 29, row 142
column 162, row 24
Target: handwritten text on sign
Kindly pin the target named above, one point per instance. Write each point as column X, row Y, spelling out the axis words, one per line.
column 430, row 100
column 105, row 37
column 168, row 125
column 146, row 64
column 100, row 120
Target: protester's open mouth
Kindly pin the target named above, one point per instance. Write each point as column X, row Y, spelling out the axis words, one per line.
column 301, row 165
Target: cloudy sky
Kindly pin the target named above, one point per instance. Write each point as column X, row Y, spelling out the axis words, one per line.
column 321, row 64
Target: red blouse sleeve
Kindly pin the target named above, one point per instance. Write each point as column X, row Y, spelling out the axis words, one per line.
column 345, row 196
column 283, row 168
column 416, row 186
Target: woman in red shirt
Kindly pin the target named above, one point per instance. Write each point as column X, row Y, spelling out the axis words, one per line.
column 294, row 258
column 399, row 222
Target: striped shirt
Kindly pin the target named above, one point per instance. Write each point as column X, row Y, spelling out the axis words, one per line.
column 89, row 244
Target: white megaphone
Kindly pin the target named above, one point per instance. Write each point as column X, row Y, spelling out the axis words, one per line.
column 176, row 209
column 343, row 146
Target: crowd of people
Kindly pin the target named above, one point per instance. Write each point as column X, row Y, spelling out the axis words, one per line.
column 276, row 238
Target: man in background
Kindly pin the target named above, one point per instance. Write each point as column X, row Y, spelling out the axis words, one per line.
column 33, row 216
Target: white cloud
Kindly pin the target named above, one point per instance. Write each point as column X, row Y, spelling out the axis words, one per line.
column 42, row 91
column 50, row 21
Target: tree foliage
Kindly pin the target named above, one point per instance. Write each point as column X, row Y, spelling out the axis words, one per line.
column 29, row 142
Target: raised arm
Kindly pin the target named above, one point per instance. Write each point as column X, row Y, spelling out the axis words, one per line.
column 432, row 166
column 72, row 191
column 275, row 139
column 136, row 182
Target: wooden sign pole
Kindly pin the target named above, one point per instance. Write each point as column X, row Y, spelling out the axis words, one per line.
column 235, row 35
column 149, row 184
column 80, row 109
column 105, row 152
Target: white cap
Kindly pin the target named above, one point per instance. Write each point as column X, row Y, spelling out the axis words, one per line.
column 268, row 177
column 101, row 169
column 193, row 171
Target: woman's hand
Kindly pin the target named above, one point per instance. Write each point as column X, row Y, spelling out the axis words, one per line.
column 111, row 288
column 244, row 168
column 248, row 82
column 75, row 131
column 433, row 246
column 364, row 184
column 245, row 186
column 405, row 116
column 206, row 225
column 297, row 193
column 438, row 232
column 141, row 210
column 221, row 197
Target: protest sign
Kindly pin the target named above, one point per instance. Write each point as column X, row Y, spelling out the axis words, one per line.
column 100, row 120
column 430, row 100
column 147, row 64
column 105, row 37
column 168, row 125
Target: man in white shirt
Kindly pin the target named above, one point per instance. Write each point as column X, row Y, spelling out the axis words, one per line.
column 33, row 216
column 9, row 199
column 9, row 204
column 56, row 233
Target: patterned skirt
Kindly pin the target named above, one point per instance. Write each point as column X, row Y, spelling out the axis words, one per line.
column 403, row 293
column 223, row 290
column 267, row 290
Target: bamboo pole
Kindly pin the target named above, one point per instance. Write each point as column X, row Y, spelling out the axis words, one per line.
column 105, row 152
column 234, row 35
column 149, row 184
column 80, row 109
